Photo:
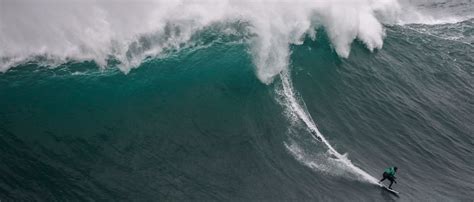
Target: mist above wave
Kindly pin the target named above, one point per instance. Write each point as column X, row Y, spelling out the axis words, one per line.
column 129, row 32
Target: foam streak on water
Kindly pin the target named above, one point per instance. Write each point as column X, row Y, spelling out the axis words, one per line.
column 298, row 110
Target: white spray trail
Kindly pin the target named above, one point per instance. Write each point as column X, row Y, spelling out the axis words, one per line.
column 300, row 112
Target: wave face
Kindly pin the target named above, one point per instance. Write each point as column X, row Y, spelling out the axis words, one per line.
column 241, row 100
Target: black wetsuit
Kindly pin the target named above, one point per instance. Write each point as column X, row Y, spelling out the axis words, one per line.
column 389, row 177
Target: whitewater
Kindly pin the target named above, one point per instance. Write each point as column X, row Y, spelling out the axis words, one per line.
column 94, row 30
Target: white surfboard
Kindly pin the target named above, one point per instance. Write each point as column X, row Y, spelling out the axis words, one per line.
column 390, row 190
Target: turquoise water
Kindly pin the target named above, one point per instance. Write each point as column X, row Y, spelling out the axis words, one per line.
column 197, row 123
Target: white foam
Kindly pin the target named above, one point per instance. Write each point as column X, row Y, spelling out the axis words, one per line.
column 131, row 31
column 415, row 17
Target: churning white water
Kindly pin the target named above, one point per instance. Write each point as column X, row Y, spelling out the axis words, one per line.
column 61, row 30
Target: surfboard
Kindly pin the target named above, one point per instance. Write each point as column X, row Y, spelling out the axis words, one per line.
column 390, row 190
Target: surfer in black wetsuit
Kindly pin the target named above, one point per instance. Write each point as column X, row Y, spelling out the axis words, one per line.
column 389, row 174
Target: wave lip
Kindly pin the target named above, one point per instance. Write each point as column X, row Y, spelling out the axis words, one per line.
column 129, row 33
column 99, row 31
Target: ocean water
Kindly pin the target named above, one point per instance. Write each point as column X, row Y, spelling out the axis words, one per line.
column 236, row 100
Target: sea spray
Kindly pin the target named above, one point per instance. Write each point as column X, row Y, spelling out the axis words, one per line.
column 128, row 33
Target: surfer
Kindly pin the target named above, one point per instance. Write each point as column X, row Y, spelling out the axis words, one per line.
column 389, row 174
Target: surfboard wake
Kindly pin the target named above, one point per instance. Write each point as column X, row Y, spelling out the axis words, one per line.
column 297, row 109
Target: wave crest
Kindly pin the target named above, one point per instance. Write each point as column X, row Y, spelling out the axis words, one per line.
column 131, row 32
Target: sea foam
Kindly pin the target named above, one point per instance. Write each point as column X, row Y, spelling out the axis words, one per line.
column 129, row 32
